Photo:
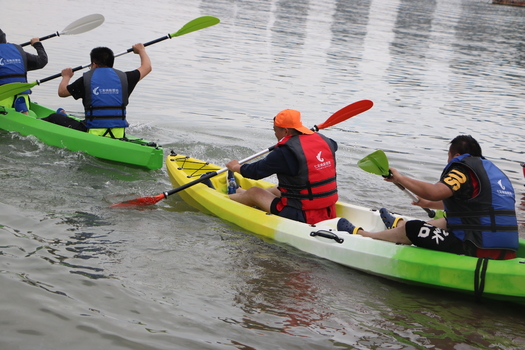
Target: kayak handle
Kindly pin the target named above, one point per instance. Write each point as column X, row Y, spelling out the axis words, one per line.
column 327, row 234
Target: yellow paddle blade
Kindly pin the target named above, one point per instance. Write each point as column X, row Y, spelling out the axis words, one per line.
column 375, row 163
column 196, row 24
column 12, row 89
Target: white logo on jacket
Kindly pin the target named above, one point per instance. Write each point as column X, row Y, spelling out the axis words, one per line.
column 98, row 91
column 319, row 157
column 322, row 164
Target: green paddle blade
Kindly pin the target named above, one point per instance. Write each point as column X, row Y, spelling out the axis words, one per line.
column 196, row 24
column 12, row 89
column 375, row 163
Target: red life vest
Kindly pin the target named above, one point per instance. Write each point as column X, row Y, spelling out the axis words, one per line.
column 315, row 186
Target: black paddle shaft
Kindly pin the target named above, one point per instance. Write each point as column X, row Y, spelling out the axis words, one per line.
column 42, row 38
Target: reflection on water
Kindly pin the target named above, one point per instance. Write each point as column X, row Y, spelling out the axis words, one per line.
column 282, row 293
column 79, row 253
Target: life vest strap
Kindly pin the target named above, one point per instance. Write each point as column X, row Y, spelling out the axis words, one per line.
column 309, row 185
column 90, row 116
column 477, row 214
column 479, row 277
column 479, row 227
column 309, row 195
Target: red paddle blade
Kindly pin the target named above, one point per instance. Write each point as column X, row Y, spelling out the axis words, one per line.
column 142, row 201
column 346, row 113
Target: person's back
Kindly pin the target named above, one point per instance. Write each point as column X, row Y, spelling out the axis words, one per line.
column 304, row 163
column 14, row 65
column 314, row 187
column 484, row 215
column 478, row 200
column 104, row 92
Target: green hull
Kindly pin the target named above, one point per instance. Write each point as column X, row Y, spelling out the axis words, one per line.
column 135, row 151
column 503, row 280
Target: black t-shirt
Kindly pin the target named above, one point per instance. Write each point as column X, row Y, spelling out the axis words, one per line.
column 461, row 181
column 77, row 90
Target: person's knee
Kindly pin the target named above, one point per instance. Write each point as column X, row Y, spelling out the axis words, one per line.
column 260, row 197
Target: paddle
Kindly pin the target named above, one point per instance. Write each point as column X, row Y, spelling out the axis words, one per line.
column 377, row 163
column 339, row 116
column 79, row 26
column 11, row 89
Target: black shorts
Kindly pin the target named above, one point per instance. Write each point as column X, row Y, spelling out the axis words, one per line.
column 63, row 120
column 427, row 236
column 287, row 212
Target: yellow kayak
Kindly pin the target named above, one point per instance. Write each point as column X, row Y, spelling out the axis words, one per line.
column 410, row 264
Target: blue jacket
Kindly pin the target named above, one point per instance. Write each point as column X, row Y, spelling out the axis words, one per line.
column 106, row 98
column 488, row 220
column 13, row 65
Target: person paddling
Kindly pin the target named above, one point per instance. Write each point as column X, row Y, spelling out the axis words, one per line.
column 479, row 203
column 14, row 65
column 305, row 165
column 104, row 92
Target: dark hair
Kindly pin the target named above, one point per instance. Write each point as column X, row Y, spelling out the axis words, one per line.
column 3, row 38
column 102, row 56
column 465, row 144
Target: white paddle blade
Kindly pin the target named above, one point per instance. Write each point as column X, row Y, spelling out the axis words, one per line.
column 83, row 24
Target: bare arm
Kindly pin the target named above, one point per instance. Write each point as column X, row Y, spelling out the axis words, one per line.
column 145, row 62
column 425, row 190
column 67, row 74
column 234, row 166
column 423, row 203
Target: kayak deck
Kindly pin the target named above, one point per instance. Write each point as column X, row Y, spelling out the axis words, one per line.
column 133, row 151
column 502, row 279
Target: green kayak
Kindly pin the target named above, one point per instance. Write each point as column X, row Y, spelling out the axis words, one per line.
column 131, row 150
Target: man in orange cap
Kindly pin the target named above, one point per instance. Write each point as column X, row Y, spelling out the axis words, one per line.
column 304, row 163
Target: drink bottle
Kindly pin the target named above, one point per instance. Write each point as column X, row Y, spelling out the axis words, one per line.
column 232, row 184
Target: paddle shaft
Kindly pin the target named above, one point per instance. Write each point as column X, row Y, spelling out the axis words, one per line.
column 87, row 65
column 79, row 26
column 431, row 213
column 42, row 38
column 191, row 26
column 38, row 82
column 214, row 173
column 339, row 116
column 342, row 115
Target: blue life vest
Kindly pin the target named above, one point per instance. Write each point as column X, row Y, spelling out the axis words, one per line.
column 106, row 98
column 13, row 65
column 315, row 185
column 488, row 220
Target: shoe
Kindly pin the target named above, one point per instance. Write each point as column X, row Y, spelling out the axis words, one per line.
column 345, row 225
column 20, row 104
column 389, row 220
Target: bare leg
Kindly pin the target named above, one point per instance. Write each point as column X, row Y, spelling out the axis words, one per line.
column 255, row 197
column 398, row 234
column 395, row 235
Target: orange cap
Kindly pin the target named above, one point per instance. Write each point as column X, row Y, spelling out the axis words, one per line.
column 291, row 119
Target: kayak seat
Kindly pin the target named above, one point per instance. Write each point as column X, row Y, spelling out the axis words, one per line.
column 389, row 220
column 116, row 133
column 207, row 182
column 345, row 225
